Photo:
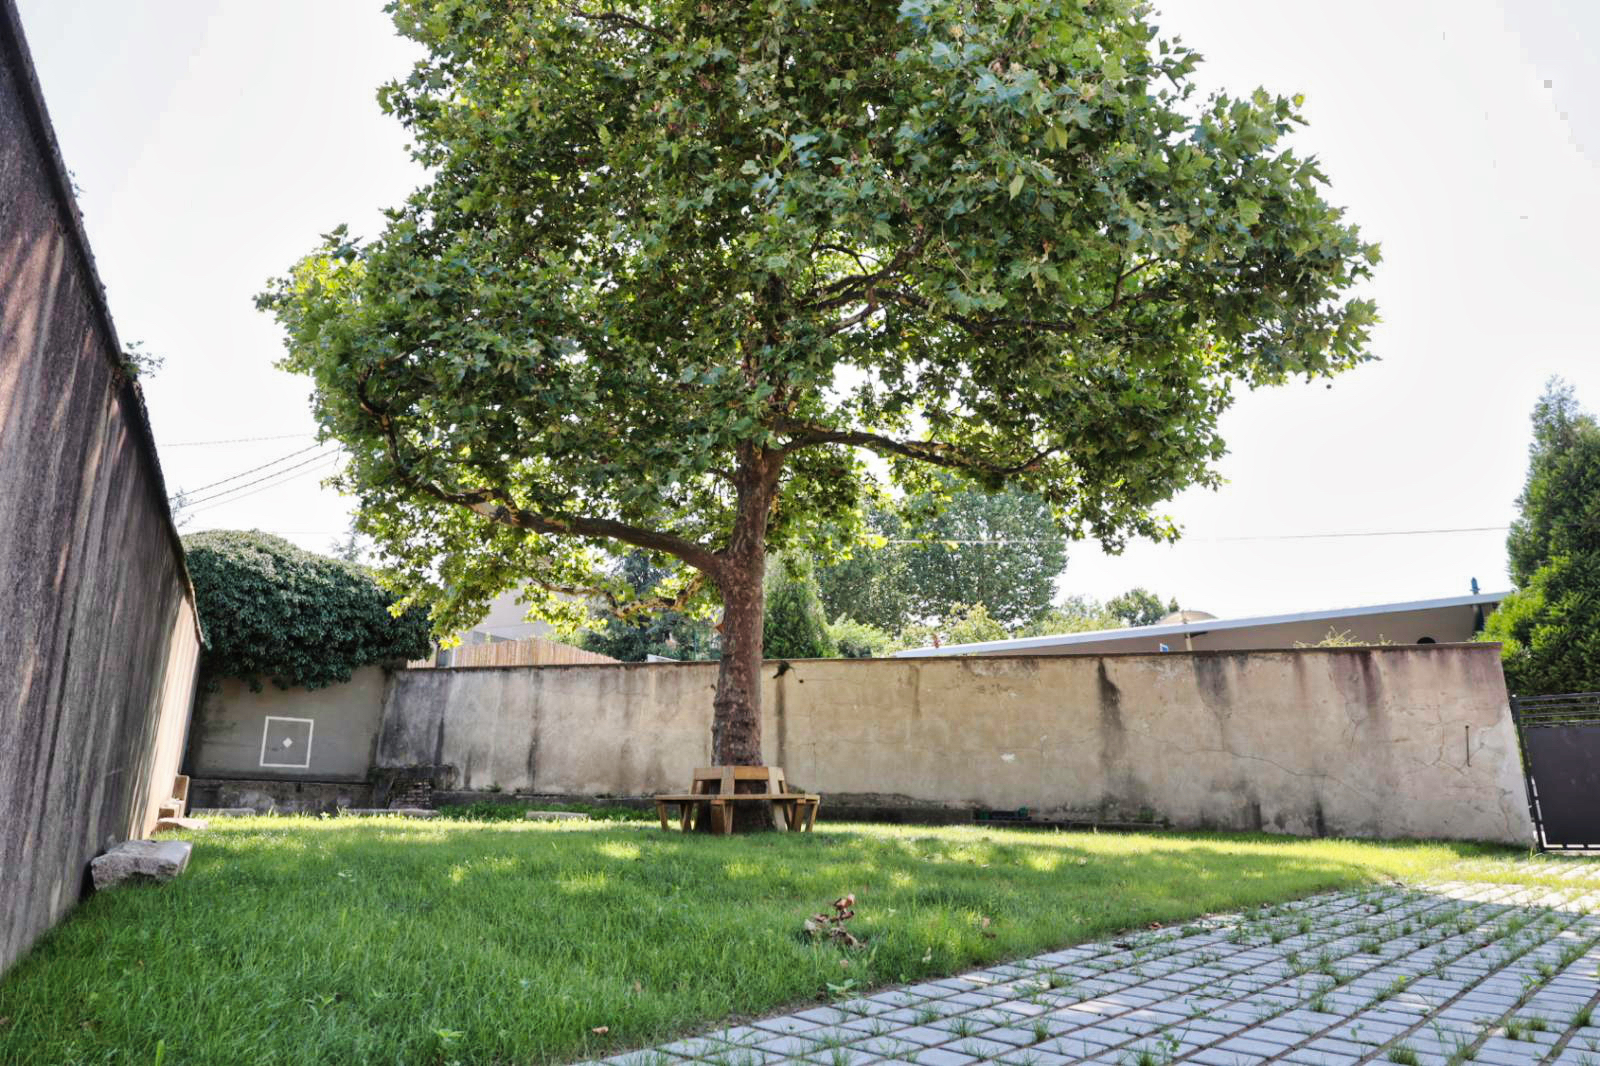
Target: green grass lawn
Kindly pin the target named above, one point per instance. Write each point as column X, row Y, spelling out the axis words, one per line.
column 298, row 940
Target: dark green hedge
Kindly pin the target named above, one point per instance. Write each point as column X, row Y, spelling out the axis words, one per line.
column 272, row 610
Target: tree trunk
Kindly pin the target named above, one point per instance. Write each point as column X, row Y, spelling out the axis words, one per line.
column 736, row 721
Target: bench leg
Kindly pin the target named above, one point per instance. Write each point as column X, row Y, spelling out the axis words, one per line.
column 811, row 813
column 661, row 813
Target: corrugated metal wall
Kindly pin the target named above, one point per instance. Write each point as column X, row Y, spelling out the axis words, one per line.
column 98, row 636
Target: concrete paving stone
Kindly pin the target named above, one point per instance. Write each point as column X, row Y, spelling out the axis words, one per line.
column 923, row 1035
column 694, row 1048
column 647, row 1057
column 1034, row 1057
column 791, row 1046
column 787, row 1023
column 1308, row 1057
column 1283, row 1035
column 1132, row 1027
column 1009, row 1035
column 1023, row 1008
column 824, row 1015
column 1365, row 1032
column 872, row 1026
column 1083, row 1044
column 943, row 1056
column 1385, row 1016
column 887, row 1047
column 739, row 1034
column 981, row 1049
column 1251, row 1044
column 903, row 1015
column 840, row 1056
column 1215, row 1025
column 1215, row 1056
column 864, row 1007
column 929, row 990
column 1577, row 1056
column 896, row 998
column 1489, row 1057
column 968, row 999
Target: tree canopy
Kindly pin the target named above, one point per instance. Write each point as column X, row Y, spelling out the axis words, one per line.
column 272, row 610
column 1550, row 626
column 679, row 267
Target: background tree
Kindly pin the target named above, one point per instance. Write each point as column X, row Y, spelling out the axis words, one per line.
column 858, row 640
column 1003, row 550
column 272, row 610
column 665, row 633
column 1083, row 614
column 678, row 267
column 1140, row 607
column 1550, row 626
column 795, row 626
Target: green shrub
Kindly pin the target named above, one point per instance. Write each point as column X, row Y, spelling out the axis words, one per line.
column 272, row 610
column 795, row 627
column 857, row 640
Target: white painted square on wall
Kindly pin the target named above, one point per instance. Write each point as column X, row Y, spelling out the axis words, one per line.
column 286, row 742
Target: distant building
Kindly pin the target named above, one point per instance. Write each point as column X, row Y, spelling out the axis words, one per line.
column 1446, row 621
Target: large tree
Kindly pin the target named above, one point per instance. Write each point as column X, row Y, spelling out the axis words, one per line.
column 1550, row 626
column 679, row 267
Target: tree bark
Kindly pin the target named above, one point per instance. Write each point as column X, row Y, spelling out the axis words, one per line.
column 736, row 718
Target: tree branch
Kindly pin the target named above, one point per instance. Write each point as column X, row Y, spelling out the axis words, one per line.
column 626, row 610
column 498, row 506
column 937, row 453
column 620, row 20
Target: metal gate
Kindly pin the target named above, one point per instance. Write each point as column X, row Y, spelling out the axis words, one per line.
column 1561, row 760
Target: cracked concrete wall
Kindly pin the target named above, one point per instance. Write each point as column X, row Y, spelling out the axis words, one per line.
column 1405, row 741
column 98, row 662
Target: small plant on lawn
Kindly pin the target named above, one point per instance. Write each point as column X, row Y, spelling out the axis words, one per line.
column 1513, row 1029
column 1041, row 1030
column 1404, row 1056
column 1585, row 1016
column 1535, row 1023
column 926, row 1016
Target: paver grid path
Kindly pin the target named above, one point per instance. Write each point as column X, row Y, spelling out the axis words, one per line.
column 1440, row 975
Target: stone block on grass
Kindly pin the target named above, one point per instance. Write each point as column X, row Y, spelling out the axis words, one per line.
column 555, row 816
column 174, row 825
column 158, row 860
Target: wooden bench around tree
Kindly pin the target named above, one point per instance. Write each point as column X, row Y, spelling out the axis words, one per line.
column 714, row 793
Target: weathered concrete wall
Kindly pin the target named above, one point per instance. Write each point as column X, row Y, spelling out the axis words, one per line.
column 100, row 641
column 1376, row 742
column 238, row 733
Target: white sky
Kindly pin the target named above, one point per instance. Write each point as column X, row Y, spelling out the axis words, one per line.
column 214, row 141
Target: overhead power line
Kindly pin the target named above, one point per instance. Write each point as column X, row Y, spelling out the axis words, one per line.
column 259, row 480
column 236, row 440
column 324, row 463
column 242, row 473
column 1207, row 540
